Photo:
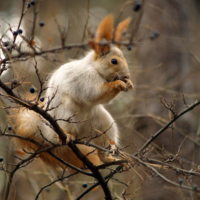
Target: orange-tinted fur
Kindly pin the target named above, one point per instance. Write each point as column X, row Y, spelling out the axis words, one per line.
column 118, row 33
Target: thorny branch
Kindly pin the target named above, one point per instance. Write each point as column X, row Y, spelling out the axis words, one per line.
column 159, row 174
column 27, row 54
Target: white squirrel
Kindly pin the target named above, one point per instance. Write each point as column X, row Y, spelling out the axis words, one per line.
column 78, row 89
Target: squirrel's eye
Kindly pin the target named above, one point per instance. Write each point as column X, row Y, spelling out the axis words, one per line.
column 114, row 61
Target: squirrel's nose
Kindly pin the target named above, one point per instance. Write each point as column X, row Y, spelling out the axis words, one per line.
column 127, row 76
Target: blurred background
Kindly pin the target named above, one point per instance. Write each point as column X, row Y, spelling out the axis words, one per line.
column 167, row 65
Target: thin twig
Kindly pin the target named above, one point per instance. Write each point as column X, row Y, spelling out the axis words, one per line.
column 59, row 179
column 167, row 126
column 118, row 169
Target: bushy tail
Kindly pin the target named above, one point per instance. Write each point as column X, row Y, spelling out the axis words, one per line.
column 27, row 123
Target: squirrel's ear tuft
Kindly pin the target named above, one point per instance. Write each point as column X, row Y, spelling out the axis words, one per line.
column 104, row 33
column 120, row 30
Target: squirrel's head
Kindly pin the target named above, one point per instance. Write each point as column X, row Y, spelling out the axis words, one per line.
column 113, row 65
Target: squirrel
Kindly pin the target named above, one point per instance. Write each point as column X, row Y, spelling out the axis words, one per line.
column 77, row 91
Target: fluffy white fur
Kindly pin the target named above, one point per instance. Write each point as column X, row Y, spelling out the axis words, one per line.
column 78, row 85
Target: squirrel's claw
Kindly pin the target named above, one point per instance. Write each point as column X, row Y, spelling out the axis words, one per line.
column 129, row 84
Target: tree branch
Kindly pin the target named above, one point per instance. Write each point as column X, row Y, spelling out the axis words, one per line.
column 166, row 126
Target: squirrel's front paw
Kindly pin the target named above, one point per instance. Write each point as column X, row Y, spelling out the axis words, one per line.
column 69, row 139
column 129, row 83
column 120, row 85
